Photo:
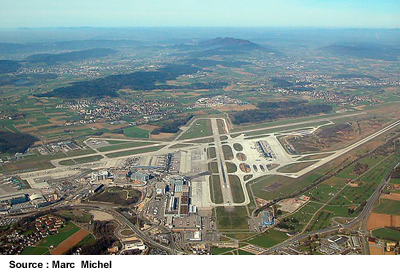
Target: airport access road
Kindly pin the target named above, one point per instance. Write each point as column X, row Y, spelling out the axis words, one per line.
column 123, row 220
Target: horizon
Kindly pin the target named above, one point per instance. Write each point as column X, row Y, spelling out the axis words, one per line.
column 370, row 14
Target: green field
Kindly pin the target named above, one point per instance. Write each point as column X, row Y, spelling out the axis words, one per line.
column 271, row 187
column 295, row 167
column 80, row 160
column 64, row 233
column 236, row 188
column 389, row 207
column 134, row 132
column 123, row 146
column 216, row 190
column 268, row 239
column 232, row 218
column 221, row 126
column 32, row 250
column 242, row 252
column 213, row 167
column 238, row 147
column 387, row 234
column 134, row 152
column 42, row 248
column 200, row 128
column 118, row 196
column 322, row 220
column 231, row 167
column 211, row 153
column 76, row 153
column 227, row 150
column 217, row 250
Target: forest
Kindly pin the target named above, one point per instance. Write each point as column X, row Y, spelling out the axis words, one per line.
column 268, row 111
column 9, row 66
column 172, row 126
column 109, row 86
column 15, row 142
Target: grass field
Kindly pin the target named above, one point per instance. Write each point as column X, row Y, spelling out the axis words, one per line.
column 32, row 250
column 123, row 146
column 387, row 234
column 390, row 207
column 76, row 153
column 236, row 188
column 322, row 220
column 268, row 239
column 221, row 126
column 77, row 215
column 211, row 153
column 42, row 248
column 238, row 147
column 200, row 128
column 80, row 160
column 295, row 167
column 216, row 190
column 118, row 196
column 227, row 150
column 134, row 152
column 231, row 167
column 217, row 250
column 213, row 167
column 271, row 187
column 135, row 132
column 232, row 218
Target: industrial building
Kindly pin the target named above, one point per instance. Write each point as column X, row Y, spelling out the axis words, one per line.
column 142, row 177
column 100, row 175
column 11, row 196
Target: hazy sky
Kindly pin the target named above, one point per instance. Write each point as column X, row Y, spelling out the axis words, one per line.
column 237, row 13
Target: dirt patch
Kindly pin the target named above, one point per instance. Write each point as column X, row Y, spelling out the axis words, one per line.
column 109, row 126
column 228, row 88
column 376, row 221
column 391, row 196
column 375, row 250
column 58, row 120
column 101, row 216
column 234, row 107
column 97, row 125
column 245, row 167
column 110, row 135
column 70, row 242
column 26, row 130
column 241, row 157
column 162, row 136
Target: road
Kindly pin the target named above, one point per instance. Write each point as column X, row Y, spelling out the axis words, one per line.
column 123, row 220
column 360, row 218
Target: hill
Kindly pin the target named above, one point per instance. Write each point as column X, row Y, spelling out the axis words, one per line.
column 229, row 46
column 230, row 43
column 52, row 59
column 109, row 86
column 368, row 51
column 9, row 66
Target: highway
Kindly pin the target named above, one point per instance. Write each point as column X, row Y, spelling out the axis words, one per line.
column 123, row 220
column 365, row 212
